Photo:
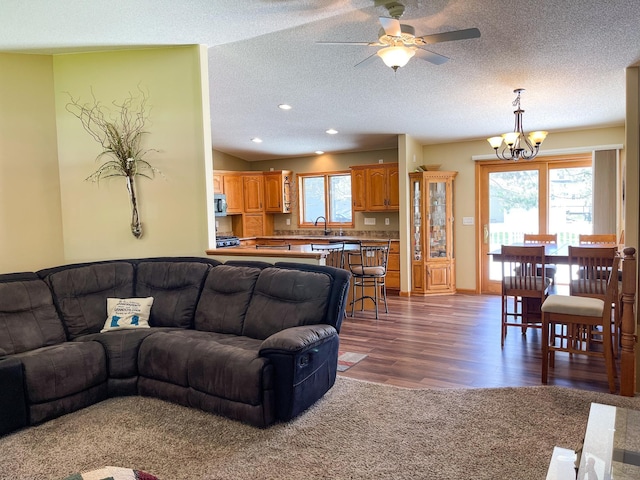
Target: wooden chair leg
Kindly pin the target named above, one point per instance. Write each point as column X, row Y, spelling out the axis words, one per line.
column 608, row 358
column 545, row 349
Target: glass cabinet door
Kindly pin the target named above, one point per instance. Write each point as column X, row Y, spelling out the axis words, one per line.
column 438, row 241
column 416, row 223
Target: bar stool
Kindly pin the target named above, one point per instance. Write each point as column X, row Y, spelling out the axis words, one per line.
column 368, row 269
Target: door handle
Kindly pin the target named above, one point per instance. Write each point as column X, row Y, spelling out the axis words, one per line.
column 486, row 233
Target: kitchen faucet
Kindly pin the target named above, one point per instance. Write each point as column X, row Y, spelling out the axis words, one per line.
column 315, row 224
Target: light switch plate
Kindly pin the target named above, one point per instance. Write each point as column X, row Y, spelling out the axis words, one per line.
column 369, row 221
column 467, row 220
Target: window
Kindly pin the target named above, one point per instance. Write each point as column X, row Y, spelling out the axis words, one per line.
column 325, row 195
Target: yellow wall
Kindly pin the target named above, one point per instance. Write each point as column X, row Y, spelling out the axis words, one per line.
column 458, row 157
column 30, row 212
column 173, row 209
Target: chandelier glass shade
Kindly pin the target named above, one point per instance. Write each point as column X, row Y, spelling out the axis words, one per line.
column 517, row 145
column 396, row 56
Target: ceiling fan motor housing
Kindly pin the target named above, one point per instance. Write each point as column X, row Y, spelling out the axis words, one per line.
column 407, row 35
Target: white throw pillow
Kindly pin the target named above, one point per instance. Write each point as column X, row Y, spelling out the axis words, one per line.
column 127, row 313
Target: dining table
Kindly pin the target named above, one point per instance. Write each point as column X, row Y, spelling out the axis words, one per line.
column 553, row 253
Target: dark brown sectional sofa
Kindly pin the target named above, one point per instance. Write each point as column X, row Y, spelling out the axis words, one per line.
column 251, row 341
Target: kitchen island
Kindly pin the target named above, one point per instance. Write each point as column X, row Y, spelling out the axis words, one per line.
column 300, row 251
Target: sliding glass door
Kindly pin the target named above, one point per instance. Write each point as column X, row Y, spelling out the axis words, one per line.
column 551, row 195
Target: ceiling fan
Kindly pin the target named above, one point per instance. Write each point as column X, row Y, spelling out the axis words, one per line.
column 400, row 42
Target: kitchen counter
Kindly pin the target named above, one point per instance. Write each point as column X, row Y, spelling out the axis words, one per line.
column 300, row 251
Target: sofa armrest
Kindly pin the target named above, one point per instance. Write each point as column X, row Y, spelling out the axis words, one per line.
column 296, row 339
column 305, row 363
column 13, row 402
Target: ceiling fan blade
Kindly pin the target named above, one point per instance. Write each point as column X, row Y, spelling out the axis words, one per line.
column 430, row 56
column 449, row 36
column 366, row 60
column 391, row 26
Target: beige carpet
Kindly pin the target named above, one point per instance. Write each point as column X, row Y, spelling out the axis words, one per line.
column 357, row 431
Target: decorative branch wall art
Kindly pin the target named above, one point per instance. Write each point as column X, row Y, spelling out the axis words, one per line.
column 119, row 129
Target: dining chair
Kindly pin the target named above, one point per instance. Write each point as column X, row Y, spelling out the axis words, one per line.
column 523, row 290
column 368, row 268
column 565, row 318
column 590, row 268
column 603, row 239
column 547, row 239
column 334, row 251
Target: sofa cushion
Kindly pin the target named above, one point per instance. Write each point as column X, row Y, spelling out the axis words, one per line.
column 56, row 372
column 175, row 287
column 81, row 293
column 225, row 298
column 28, row 318
column 122, row 348
column 286, row 298
column 223, row 365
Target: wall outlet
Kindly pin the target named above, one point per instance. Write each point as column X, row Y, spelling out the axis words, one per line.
column 369, row 221
column 217, row 224
column 467, row 220
column 381, row 160
column 271, row 169
column 288, row 221
column 386, row 221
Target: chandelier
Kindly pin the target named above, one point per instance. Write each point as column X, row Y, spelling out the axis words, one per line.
column 516, row 145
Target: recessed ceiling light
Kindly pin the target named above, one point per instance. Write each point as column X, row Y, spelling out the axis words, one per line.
column 332, row 131
column 256, row 140
column 284, row 106
column 319, row 152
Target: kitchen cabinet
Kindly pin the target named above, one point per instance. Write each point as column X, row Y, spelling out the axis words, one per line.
column 393, row 267
column 253, row 193
column 358, row 188
column 252, row 225
column 277, row 191
column 432, row 255
column 218, row 185
column 232, row 188
column 375, row 188
column 382, row 188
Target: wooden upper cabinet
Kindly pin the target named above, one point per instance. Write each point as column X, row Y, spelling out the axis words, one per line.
column 277, row 191
column 218, row 185
column 358, row 190
column 253, row 187
column 393, row 199
column 375, row 188
column 232, row 188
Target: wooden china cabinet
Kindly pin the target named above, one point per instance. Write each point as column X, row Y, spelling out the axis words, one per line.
column 432, row 258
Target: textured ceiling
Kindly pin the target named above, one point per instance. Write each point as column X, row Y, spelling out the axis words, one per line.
column 569, row 55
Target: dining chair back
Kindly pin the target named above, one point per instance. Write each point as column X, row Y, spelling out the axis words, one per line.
column 334, row 251
column 569, row 320
column 547, row 239
column 368, row 268
column 523, row 289
column 603, row 239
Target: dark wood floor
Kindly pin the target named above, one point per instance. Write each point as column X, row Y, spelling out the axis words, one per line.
column 453, row 341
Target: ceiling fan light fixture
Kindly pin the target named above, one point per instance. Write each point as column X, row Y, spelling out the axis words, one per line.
column 396, row 57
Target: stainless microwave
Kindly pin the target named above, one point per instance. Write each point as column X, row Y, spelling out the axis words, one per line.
column 220, row 204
